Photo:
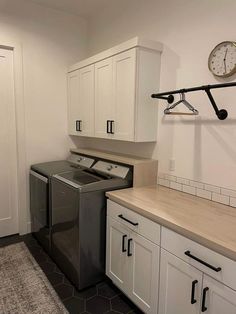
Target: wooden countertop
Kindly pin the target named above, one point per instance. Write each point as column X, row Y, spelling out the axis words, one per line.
column 208, row 223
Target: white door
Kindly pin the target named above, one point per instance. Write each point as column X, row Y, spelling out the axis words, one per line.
column 144, row 273
column 103, row 98
column 116, row 254
column 180, row 286
column 86, row 100
column 8, row 155
column 219, row 299
column 124, row 82
column 74, row 111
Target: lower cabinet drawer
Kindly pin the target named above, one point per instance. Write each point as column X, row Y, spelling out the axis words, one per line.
column 216, row 265
column 147, row 228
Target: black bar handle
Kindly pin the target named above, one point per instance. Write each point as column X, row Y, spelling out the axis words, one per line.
column 204, row 308
column 123, row 243
column 127, row 220
column 216, row 269
column 78, row 125
column 129, row 252
column 193, row 300
column 108, row 126
column 111, row 126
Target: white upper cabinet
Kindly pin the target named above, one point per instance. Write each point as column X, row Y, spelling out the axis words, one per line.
column 125, row 76
column 81, row 102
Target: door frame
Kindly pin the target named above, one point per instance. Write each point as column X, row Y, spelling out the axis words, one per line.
column 22, row 197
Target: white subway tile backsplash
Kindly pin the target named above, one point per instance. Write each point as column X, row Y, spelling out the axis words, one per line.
column 231, row 193
column 212, row 188
column 207, row 191
column 176, row 186
column 204, row 194
column 223, row 199
column 183, row 181
column 164, row 182
column 233, row 201
column 189, row 189
column 170, row 178
column 196, row 184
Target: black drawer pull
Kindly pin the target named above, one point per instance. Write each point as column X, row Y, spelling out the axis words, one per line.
column 193, row 300
column 127, row 220
column 216, row 269
column 123, row 243
column 129, row 252
column 78, row 125
column 108, row 126
column 204, row 308
column 111, row 127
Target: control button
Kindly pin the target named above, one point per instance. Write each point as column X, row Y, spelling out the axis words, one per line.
column 110, row 168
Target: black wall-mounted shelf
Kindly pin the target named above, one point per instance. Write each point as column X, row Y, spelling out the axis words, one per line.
column 221, row 113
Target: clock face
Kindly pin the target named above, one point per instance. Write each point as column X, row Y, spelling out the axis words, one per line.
column 222, row 60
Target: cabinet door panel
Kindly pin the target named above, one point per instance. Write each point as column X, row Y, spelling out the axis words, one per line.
column 124, row 76
column 144, row 273
column 103, row 97
column 176, row 278
column 116, row 259
column 74, row 110
column 86, row 100
column 219, row 298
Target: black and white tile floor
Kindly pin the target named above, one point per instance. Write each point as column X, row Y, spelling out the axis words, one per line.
column 100, row 299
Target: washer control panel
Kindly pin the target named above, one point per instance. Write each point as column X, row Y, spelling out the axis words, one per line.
column 112, row 169
column 80, row 160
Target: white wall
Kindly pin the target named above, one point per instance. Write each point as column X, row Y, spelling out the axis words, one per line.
column 204, row 149
column 51, row 40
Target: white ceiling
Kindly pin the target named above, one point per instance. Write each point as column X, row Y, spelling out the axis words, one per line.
column 85, row 8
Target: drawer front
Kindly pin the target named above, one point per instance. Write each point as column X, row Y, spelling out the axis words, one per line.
column 143, row 226
column 224, row 269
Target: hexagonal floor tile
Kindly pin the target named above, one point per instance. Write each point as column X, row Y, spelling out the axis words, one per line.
column 108, row 290
column 122, row 304
column 98, row 305
column 64, row 291
column 55, row 278
column 75, row 305
column 87, row 293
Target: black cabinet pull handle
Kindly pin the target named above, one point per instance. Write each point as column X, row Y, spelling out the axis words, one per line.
column 216, row 269
column 127, row 220
column 78, row 125
column 204, row 308
column 129, row 252
column 111, row 126
column 108, row 126
column 123, row 243
column 193, row 300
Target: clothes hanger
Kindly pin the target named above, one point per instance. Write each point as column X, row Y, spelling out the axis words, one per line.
column 186, row 103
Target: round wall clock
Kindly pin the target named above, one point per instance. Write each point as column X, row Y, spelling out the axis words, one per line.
column 222, row 59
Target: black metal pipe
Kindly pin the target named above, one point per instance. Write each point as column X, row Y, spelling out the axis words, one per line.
column 194, row 89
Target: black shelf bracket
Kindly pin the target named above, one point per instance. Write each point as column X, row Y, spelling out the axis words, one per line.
column 222, row 114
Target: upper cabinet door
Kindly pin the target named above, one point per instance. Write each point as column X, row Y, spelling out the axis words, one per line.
column 143, row 256
column 124, row 82
column 81, row 102
column 86, row 100
column 103, row 99
column 218, row 298
column 74, row 110
column 180, row 286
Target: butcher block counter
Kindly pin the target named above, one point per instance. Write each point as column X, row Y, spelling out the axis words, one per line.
column 208, row 223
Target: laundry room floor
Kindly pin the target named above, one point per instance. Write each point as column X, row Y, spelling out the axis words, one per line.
column 100, row 299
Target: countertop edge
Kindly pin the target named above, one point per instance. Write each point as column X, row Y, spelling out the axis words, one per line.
column 220, row 249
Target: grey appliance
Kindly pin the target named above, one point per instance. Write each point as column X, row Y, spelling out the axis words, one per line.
column 40, row 193
column 79, row 219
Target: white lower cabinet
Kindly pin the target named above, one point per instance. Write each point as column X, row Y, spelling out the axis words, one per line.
column 180, row 286
column 132, row 263
column 219, row 299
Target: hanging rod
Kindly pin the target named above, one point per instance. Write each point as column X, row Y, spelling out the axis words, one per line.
column 221, row 114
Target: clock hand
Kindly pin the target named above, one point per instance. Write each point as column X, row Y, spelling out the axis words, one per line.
column 225, row 60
